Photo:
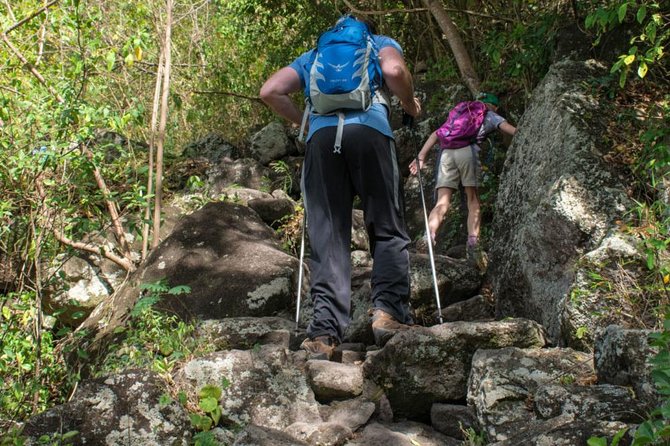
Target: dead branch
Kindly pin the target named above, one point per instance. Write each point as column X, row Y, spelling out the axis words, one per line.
column 58, row 233
column 117, row 227
column 414, row 10
column 31, row 16
column 229, row 93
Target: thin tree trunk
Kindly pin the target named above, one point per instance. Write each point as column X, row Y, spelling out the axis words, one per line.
column 152, row 146
column 458, row 48
column 161, row 128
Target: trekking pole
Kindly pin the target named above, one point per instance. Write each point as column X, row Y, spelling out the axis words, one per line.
column 302, row 256
column 409, row 121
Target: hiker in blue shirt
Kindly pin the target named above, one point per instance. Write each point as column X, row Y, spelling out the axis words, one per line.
column 462, row 166
column 364, row 166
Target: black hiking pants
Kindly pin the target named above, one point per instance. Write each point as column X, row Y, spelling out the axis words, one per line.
column 366, row 167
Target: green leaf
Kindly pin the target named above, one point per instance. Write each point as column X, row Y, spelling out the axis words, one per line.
column 642, row 70
column 597, row 441
column 179, row 289
column 110, row 58
column 629, row 59
column 641, row 13
column 622, row 11
column 210, row 391
column 208, row 404
column 182, row 398
column 618, row 436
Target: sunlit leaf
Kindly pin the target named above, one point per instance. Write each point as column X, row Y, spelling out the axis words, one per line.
column 642, row 70
column 629, row 59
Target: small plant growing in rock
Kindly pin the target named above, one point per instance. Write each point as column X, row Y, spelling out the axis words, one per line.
column 151, row 337
column 208, row 403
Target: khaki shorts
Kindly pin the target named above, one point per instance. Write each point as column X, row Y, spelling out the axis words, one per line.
column 459, row 166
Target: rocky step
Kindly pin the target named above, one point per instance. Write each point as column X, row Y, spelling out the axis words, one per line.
column 428, row 386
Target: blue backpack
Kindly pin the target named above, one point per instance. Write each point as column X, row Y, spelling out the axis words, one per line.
column 343, row 73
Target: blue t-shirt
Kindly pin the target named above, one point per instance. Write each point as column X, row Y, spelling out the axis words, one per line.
column 376, row 116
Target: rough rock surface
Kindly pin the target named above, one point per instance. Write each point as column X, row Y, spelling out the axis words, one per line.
column 557, row 199
column 121, row 409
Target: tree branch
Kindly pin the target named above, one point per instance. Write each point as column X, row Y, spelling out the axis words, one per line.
column 123, row 262
column 229, row 93
column 32, row 69
column 394, row 11
column 31, row 16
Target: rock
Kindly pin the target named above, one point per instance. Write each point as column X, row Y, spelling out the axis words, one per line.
column 246, row 332
column 231, row 262
column 267, row 388
column 557, row 198
column 330, row 380
column 502, row 384
column 401, row 434
column 423, row 366
column 262, row 436
column 270, row 143
column 212, row 146
column 453, row 419
column 120, row 409
column 621, row 358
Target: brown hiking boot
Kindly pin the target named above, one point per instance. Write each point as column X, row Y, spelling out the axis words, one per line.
column 384, row 326
column 321, row 347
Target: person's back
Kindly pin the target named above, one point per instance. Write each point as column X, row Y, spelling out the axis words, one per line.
column 459, row 165
column 365, row 166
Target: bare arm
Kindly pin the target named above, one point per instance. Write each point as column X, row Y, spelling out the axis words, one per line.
column 399, row 79
column 507, row 128
column 430, row 142
column 276, row 90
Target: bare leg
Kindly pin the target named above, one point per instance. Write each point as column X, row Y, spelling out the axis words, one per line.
column 439, row 211
column 474, row 218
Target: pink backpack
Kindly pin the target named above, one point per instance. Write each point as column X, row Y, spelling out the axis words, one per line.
column 462, row 125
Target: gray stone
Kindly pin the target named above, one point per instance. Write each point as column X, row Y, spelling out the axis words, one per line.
column 402, row 434
column 557, row 199
column 330, row 380
column 502, row 384
column 267, row 388
column 270, row 143
column 118, row 409
column 423, row 366
column 621, row 358
column 231, row 262
column 453, row 419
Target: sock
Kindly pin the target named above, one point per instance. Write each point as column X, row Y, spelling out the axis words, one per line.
column 472, row 240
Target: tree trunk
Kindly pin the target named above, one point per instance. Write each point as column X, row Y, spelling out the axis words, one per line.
column 152, row 147
column 458, row 48
column 161, row 127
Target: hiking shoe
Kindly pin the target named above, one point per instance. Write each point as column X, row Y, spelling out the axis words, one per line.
column 477, row 257
column 384, row 326
column 321, row 347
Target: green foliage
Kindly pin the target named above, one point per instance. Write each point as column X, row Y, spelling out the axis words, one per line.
column 290, row 231
column 33, row 374
column 283, row 171
column 656, row 429
column 208, row 403
column 648, row 42
column 151, row 338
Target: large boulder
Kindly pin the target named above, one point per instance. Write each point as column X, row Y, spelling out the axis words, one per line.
column 423, row 366
column 557, row 198
column 230, row 260
column 266, row 387
column 129, row 408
